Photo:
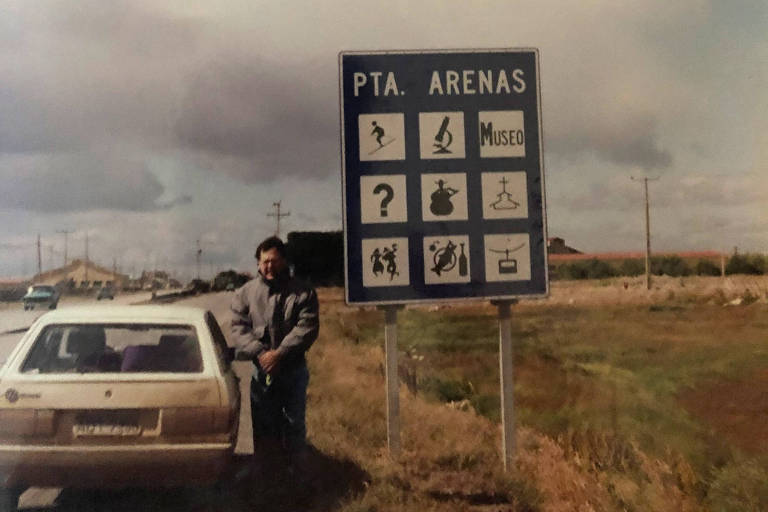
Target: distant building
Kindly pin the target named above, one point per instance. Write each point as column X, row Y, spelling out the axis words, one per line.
column 557, row 245
column 81, row 275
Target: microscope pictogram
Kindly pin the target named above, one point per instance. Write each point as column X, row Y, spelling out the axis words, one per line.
column 441, row 143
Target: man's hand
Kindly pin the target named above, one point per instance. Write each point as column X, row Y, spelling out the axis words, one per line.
column 269, row 361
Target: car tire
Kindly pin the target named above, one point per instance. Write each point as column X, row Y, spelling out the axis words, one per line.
column 9, row 498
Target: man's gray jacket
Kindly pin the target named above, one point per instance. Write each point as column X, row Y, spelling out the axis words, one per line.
column 281, row 315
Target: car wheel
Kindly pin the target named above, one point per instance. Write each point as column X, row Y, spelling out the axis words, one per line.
column 53, row 306
column 9, row 498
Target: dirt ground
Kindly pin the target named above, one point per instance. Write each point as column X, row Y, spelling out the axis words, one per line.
column 736, row 410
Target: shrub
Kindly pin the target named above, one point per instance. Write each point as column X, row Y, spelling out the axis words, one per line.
column 753, row 264
column 632, row 268
column 591, row 269
column 739, row 486
column 446, row 390
column 673, row 266
column 707, row 268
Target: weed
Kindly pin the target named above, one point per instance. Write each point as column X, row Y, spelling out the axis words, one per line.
column 739, row 486
column 748, row 297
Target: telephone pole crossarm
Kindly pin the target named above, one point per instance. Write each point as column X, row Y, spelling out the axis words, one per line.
column 277, row 214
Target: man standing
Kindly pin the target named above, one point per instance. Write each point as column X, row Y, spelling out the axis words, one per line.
column 274, row 322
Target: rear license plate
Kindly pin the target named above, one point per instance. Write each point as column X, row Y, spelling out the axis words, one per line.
column 79, row 430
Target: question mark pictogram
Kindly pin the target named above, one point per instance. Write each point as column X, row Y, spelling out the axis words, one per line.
column 389, row 193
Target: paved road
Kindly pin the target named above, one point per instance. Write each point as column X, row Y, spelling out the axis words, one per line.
column 13, row 316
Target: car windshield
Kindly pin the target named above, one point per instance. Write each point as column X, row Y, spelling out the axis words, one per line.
column 41, row 290
column 115, row 348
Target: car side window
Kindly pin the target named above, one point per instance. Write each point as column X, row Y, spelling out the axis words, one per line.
column 44, row 351
column 219, row 342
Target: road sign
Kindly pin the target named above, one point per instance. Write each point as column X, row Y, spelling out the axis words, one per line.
column 443, row 176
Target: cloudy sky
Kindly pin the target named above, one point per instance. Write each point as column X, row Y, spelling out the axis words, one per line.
column 149, row 125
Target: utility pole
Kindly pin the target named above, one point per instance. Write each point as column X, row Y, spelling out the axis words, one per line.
column 277, row 216
column 647, row 231
column 86, row 256
column 39, row 257
column 197, row 259
column 65, row 232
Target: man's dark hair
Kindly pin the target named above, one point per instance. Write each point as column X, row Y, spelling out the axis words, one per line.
column 271, row 243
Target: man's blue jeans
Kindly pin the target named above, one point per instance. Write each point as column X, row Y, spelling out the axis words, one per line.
column 279, row 404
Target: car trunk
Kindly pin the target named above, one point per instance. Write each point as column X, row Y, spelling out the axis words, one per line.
column 125, row 411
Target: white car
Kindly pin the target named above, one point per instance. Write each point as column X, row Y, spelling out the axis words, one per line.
column 117, row 396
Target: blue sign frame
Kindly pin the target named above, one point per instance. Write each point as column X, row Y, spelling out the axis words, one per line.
column 415, row 95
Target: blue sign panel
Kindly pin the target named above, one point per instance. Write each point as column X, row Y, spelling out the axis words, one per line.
column 443, row 176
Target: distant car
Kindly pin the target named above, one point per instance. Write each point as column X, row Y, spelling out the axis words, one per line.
column 41, row 295
column 117, row 396
column 106, row 292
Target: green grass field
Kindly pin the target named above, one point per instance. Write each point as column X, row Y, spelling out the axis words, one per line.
column 619, row 388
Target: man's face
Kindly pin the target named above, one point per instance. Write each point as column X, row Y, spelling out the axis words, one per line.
column 271, row 264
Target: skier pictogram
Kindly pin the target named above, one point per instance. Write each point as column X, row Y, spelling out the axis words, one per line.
column 504, row 199
column 441, row 199
column 379, row 133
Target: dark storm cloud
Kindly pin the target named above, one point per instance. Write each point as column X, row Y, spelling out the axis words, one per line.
column 256, row 119
column 126, row 27
column 622, row 138
column 175, row 202
column 87, row 72
column 77, row 183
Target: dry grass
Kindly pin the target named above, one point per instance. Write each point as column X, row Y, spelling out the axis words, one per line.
column 451, row 458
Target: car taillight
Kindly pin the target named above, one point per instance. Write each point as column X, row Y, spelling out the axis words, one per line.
column 196, row 420
column 26, row 422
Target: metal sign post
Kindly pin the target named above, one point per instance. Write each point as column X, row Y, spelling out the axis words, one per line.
column 507, row 382
column 393, row 382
